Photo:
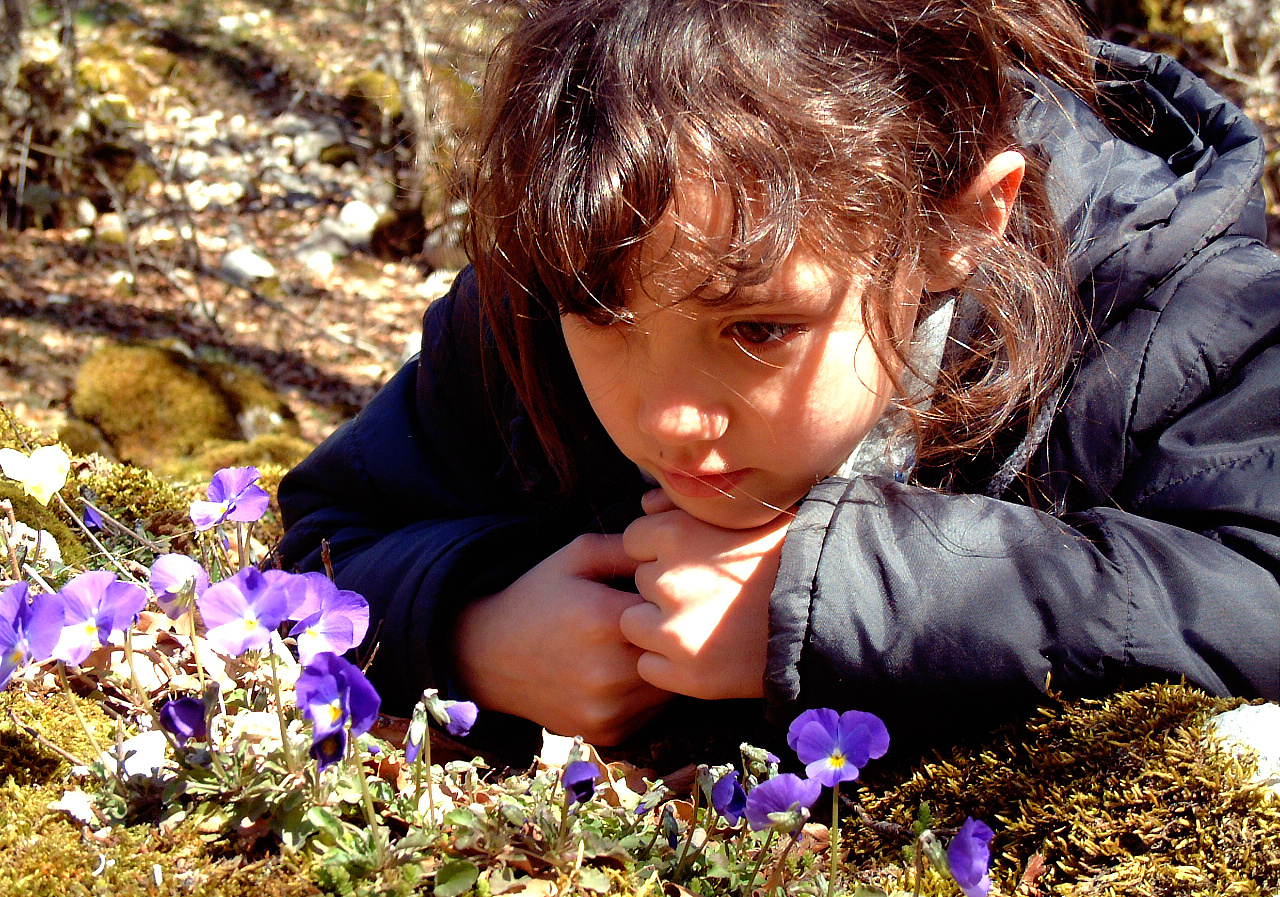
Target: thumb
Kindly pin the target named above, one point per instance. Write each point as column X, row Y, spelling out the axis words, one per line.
column 601, row 558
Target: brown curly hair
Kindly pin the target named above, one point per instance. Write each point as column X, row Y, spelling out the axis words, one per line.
column 823, row 122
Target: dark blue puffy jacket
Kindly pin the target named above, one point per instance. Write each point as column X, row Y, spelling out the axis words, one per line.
column 1154, row 549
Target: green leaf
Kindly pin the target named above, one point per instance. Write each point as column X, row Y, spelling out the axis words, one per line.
column 325, row 821
column 455, row 878
column 593, row 879
column 460, row 816
column 924, row 817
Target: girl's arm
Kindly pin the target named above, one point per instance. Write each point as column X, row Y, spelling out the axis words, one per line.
column 940, row 609
column 425, row 514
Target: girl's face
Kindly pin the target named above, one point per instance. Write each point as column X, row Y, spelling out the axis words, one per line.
column 737, row 410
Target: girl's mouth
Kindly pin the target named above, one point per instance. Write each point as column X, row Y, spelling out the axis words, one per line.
column 710, row 485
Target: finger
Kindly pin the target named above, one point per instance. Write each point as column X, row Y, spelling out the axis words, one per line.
column 658, row 670
column 655, row 501
column 641, row 538
column 601, row 558
column 640, row 624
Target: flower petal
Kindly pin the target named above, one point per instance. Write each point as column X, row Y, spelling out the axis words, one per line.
column 249, row 505
column 230, row 482
column 208, row 514
column 823, row 717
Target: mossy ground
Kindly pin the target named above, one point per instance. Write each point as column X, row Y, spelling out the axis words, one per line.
column 46, row 852
column 1108, row 797
column 1118, row 796
column 1121, row 796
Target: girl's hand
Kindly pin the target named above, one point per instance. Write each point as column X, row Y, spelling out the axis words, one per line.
column 549, row 648
column 704, row 624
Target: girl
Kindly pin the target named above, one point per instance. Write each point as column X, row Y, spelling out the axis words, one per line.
column 846, row 353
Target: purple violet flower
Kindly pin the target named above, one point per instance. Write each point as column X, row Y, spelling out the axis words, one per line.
column 92, row 519
column 242, row 611
column 177, row 582
column 834, row 748
column 330, row 620
column 579, row 779
column 184, row 719
column 234, row 494
column 969, row 855
column 416, row 736
column 781, row 803
column 30, row 626
column 94, row 605
column 462, row 716
column 728, row 797
column 670, row 827
column 334, row 694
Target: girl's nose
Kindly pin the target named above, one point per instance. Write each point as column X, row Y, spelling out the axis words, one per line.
column 674, row 416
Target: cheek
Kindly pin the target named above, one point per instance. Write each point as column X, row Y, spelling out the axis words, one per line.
column 601, row 368
column 845, row 401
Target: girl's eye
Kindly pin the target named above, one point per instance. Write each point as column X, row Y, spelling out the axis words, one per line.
column 763, row 333
column 602, row 317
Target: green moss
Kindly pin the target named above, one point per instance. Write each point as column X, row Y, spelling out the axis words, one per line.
column 1120, row 796
column 136, row 496
column 263, row 452
column 259, row 410
column 162, row 408
column 151, row 403
column 40, row 517
column 45, row 852
column 372, row 94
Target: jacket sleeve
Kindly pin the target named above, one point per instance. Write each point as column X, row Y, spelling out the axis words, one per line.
column 945, row 609
column 416, row 506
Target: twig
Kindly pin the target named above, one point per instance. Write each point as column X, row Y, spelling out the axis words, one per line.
column 94, row 539
column 119, row 527
column 22, row 171
column 188, row 217
column 10, row 549
column 44, row 742
column 39, row 580
column 117, row 202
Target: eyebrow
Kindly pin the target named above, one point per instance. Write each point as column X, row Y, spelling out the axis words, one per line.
column 756, row 297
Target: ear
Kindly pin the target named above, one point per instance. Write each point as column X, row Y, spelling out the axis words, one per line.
column 984, row 206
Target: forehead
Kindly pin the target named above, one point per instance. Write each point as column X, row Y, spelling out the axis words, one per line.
column 699, row 252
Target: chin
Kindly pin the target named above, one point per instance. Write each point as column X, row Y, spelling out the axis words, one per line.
column 730, row 513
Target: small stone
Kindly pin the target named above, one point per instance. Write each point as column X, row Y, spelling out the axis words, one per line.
column 111, row 229
column 246, row 265
column 1252, row 732
column 356, row 222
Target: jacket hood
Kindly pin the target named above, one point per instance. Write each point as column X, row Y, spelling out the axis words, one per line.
column 1163, row 167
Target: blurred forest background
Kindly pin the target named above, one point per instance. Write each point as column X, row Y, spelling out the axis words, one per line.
column 220, row 221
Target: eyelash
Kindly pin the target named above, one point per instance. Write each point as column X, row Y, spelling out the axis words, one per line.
column 769, row 333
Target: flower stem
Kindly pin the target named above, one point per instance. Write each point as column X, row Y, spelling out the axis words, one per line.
column 835, row 838
column 424, row 758
column 688, row 837
column 764, row 852
column 775, row 877
column 242, row 544
column 75, row 707
column 290, row 762
column 919, row 868
column 366, row 800
column 140, row 696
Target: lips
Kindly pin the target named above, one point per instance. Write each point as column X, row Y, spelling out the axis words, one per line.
column 709, row 485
